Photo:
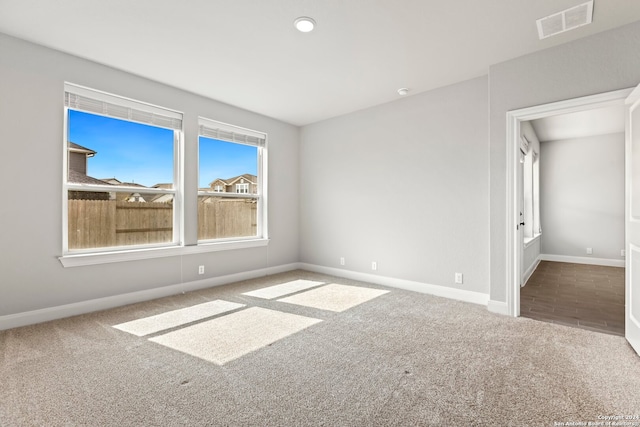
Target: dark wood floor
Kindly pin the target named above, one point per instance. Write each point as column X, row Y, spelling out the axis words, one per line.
column 584, row 296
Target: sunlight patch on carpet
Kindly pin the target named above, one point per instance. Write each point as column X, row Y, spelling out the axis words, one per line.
column 232, row 336
column 174, row 318
column 334, row 297
column 283, row 289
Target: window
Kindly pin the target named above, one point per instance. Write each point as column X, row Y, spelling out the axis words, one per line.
column 236, row 156
column 121, row 173
column 531, row 190
column 242, row 188
column 537, row 228
column 122, row 186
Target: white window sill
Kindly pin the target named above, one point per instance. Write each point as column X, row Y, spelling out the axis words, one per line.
column 528, row 241
column 78, row 260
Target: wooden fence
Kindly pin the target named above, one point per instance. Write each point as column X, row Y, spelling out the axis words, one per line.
column 220, row 217
column 106, row 223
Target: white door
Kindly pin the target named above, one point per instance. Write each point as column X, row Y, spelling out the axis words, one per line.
column 632, row 218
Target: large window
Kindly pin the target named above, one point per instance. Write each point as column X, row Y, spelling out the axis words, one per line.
column 123, row 192
column 121, row 173
column 232, row 188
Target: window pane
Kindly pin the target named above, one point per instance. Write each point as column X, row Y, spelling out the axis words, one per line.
column 118, row 151
column 98, row 219
column 222, row 217
column 223, row 163
column 227, row 167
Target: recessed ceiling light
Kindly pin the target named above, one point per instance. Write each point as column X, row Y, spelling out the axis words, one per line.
column 304, row 24
column 403, row 91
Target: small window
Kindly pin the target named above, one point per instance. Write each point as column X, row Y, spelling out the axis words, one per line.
column 120, row 172
column 531, row 195
column 235, row 156
column 242, row 188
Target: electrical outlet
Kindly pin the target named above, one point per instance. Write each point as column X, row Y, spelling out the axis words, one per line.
column 589, row 251
column 342, row 262
column 201, row 269
column 623, row 252
column 374, row 265
column 458, row 278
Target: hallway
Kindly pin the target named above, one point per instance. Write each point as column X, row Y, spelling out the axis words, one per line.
column 584, row 296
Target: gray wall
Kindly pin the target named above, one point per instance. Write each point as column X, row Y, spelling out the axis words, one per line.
column 404, row 184
column 601, row 63
column 31, row 134
column 582, row 183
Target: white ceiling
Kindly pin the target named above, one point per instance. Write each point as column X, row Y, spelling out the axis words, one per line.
column 246, row 52
column 600, row 121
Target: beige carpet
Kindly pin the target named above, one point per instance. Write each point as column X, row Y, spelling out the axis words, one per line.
column 174, row 318
column 230, row 337
column 334, row 297
column 276, row 291
column 399, row 359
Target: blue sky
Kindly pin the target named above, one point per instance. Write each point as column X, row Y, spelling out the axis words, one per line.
column 143, row 154
column 221, row 159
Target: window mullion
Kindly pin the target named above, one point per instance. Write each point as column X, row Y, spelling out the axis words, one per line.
column 118, row 189
column 178, row 179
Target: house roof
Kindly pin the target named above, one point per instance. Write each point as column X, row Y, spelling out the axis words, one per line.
column 251, row 178
column 80, row 178
column 163, row 185
column 117, row 182
column 230, row 181
column 80, row 149
column 132, row 184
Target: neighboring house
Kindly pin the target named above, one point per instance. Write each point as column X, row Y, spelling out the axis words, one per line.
column 129, row 197
column 78, row 167
column 162, row 198
column 79, row 157
column 243, row 184
column 140, row 196
column 77, row 173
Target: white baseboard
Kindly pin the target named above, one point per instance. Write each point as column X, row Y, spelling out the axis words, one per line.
column 74, row 309
column 583, row 260
column 530, row 270
column 498, row 307
column 83, row 307
column 425, row 288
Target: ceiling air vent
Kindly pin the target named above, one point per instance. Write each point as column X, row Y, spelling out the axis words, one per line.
column 566, row 20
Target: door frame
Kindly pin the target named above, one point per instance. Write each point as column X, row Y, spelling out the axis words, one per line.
column 514, row 188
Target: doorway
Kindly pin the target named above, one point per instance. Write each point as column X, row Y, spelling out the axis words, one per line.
column 573, row 272
column 515, row 247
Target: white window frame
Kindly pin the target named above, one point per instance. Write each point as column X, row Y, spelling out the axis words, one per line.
column 531, row 195
column 214, row 129
column 242, row 188
column 537, row 227
column 527, row 177
column 98, row 256
column 100, row 103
